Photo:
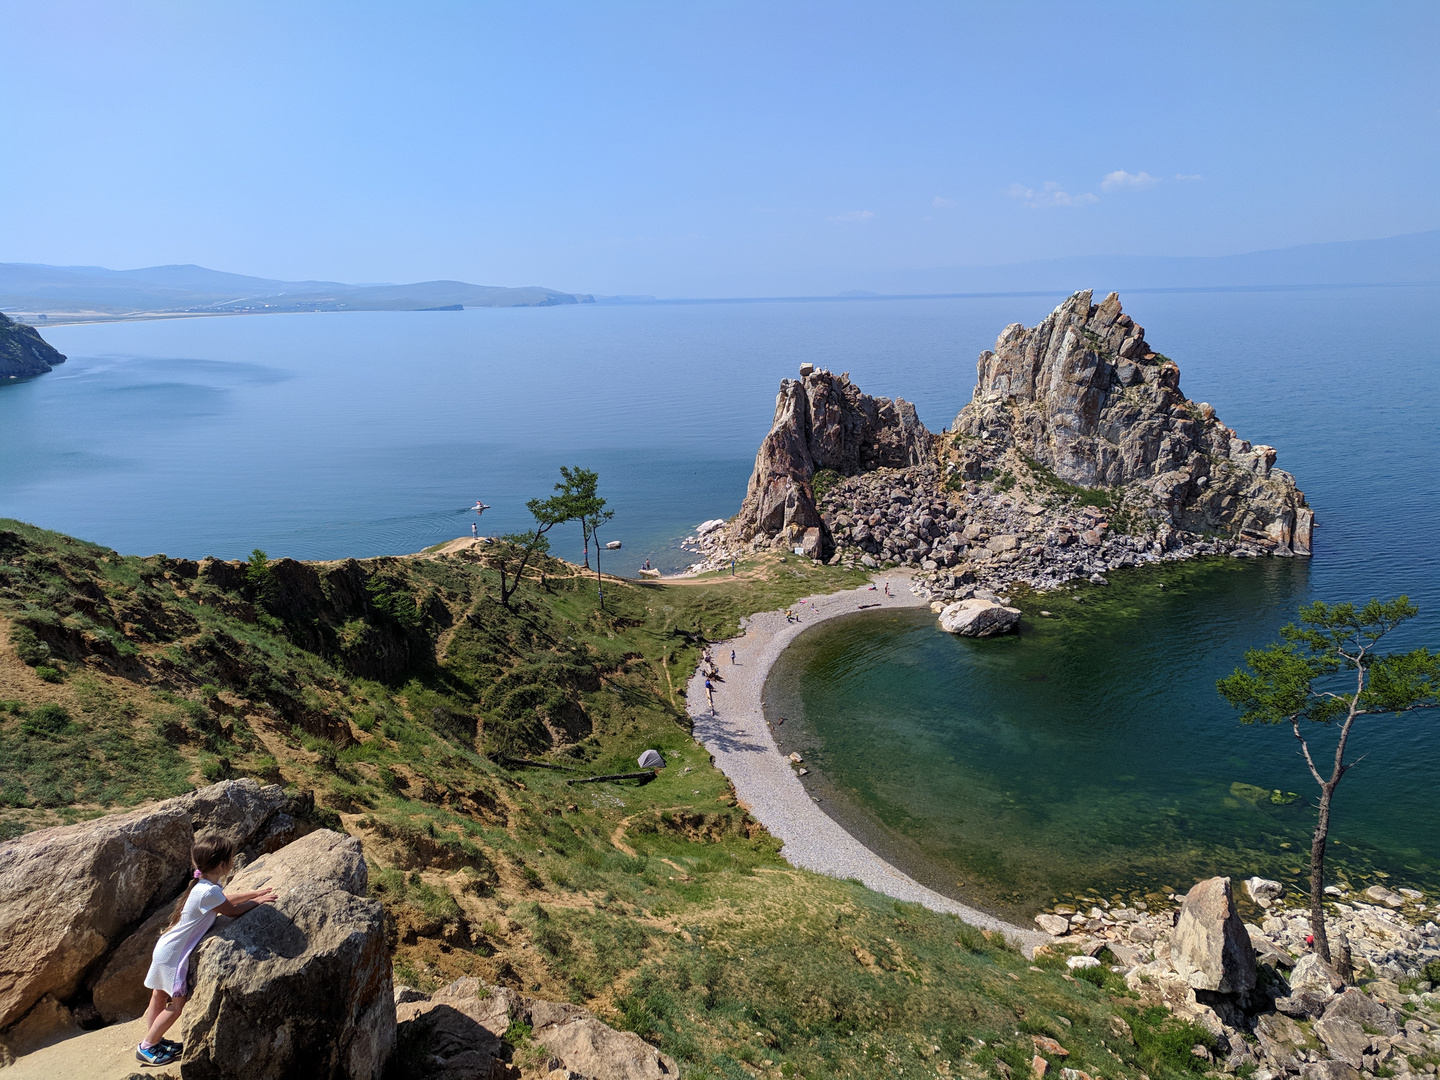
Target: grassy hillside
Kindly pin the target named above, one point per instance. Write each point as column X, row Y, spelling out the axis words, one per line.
column 401, row 693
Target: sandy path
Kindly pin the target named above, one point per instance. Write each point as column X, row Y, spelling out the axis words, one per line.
column 744, row 749
column 105, row 1054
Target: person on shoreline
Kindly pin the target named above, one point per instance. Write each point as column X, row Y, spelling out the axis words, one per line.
column 732, row 657
column 710, row 694
column 213, row 857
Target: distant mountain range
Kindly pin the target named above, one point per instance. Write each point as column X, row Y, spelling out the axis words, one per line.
column 1397, row 260
column 35, row 288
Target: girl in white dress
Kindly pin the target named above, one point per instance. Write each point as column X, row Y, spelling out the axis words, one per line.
column 213, row 857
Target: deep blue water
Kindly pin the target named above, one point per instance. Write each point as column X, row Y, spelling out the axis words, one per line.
column 318, row 436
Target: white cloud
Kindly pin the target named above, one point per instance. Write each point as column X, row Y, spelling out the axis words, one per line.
column 1121, row 179
column 1188, row 176
column 940, row 201
column 852, row 216
column 1050, row 194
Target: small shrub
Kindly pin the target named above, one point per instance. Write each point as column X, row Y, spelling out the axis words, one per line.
column 47, row 720
column 364, row 719
column 518, row 1034
column 214, row 769
column 28, row 646
column 50, row 674
column 823, row 481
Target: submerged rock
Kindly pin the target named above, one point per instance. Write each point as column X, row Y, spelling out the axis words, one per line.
column 978, row 617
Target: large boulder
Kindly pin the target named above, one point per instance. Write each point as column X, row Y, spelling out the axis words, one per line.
column 68, row 894
column 978, row 617
column 457, row 1035
column 1210, row 946
column 301, row 987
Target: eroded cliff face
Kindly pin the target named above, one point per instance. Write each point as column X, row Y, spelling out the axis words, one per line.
column 1085, row 396
column 23, row 352
column 823, row 422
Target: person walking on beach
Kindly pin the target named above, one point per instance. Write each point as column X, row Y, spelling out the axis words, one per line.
column 213, row 857
column 474, row 531
column 887, row 588
column 732, row 657
column 710, row 694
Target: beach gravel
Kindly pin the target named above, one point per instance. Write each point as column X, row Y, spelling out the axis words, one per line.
column 737, row 736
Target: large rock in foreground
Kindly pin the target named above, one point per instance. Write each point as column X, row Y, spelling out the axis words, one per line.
column 23, row 352
column 823, row 421
column 299, row 988
column 68, row 894
column 1211, row 948
column 978, row 617
column 456, row 1034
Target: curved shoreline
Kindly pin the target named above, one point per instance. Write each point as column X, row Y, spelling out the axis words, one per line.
column 744, row 749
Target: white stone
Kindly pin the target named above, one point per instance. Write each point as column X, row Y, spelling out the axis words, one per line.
column 1076, row 963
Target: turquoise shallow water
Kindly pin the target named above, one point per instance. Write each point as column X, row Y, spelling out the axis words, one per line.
column 1089, row 752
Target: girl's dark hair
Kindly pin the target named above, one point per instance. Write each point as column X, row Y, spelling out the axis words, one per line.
column 208, row 851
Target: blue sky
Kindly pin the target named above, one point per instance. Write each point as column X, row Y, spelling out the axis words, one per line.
column 690, row 148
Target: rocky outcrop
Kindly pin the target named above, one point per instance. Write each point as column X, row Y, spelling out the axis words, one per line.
column 457, row 1034
column 75, row 899
column 978, row 617
column 1299, row 1017
column 1077, row 456
column 301, row 987
column 1211, row 947
column 1084, row 396
column 23, row 352
column 823, row 422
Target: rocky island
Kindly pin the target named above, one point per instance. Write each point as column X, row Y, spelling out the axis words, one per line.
column 23, row 352
column 1078, row 454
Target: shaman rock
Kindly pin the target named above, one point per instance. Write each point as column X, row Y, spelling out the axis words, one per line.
column 1084, row 396
column 823, row 421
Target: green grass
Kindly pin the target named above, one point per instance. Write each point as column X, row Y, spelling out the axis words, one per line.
column 703, row 940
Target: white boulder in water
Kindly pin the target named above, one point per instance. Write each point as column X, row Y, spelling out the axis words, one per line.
column 707, row 527
column 978, row 617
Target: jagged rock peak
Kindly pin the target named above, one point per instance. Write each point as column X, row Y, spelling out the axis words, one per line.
column 23, row 352
column 823, row 421
column 1084, row 396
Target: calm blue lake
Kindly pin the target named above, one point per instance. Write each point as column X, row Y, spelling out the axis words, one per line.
column 1088, row 753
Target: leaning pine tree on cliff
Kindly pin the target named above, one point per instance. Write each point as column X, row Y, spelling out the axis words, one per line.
column 1328, row 670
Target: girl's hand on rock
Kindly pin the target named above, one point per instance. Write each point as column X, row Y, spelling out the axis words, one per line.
column 265, row 896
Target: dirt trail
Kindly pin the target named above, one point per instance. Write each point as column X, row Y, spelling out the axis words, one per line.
column 106, row 1054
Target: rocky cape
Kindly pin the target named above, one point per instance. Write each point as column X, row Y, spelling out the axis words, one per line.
column 23, row 352
column 1078, row 454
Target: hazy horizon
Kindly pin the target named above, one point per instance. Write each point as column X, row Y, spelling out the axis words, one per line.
column 735, row 150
